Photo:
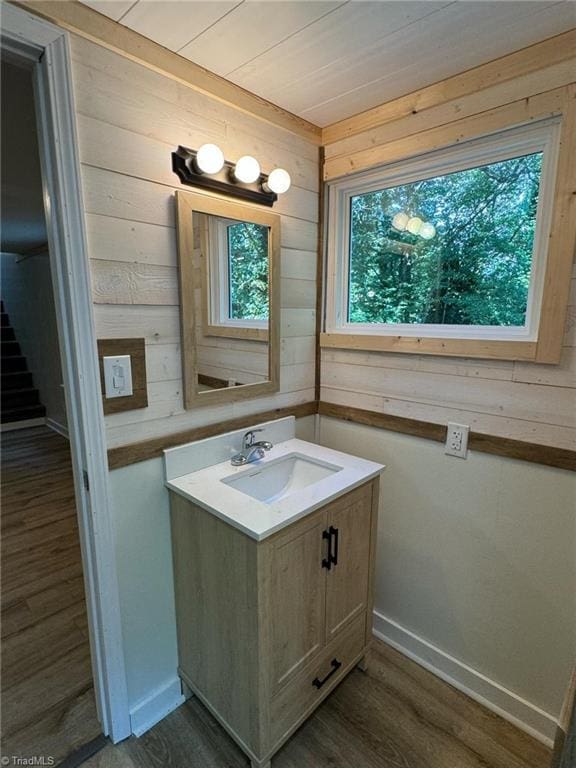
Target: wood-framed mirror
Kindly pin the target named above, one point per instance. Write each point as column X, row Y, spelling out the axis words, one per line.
column 229, row 269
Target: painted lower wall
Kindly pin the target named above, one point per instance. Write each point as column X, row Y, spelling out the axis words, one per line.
column 29, row 300
column 141, row 514
column 476, row 568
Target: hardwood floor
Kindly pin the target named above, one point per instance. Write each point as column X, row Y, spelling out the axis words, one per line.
column 47, row 698
column 397, row 715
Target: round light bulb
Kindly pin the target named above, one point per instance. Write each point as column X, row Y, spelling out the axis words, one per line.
column 209, row 158
column 414, row 224
column 247, row 169
column 427, row 231
column 279, row 181
column 400, row 221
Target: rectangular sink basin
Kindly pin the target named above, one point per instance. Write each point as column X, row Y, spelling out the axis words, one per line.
column 275, row 480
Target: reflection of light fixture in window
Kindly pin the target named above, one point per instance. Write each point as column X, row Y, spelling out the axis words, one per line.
column 247, row 169
column 400, row 220
column 209, row 159
column 427, row 231
column 279, row 181
column 414, row 224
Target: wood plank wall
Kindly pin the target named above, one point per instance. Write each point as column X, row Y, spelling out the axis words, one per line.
column 130, row 118
column 523, row 401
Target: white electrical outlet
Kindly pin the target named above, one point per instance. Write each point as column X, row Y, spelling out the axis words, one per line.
column 457, row 440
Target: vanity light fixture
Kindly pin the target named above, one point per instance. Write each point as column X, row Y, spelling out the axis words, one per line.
column 207, row 168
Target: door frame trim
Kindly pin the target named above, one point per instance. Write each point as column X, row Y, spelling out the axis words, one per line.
column 45, row 48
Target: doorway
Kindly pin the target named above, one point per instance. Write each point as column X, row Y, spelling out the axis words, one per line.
column 43, row 49
column 48, row 699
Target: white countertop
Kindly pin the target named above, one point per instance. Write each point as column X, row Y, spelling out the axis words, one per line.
column 258, row 519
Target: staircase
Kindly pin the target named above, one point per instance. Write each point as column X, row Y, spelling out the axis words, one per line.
column 20, row 399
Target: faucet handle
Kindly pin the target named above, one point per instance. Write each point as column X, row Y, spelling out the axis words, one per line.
column 248, row 438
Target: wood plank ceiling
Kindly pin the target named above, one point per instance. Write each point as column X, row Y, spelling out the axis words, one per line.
column 326, row 60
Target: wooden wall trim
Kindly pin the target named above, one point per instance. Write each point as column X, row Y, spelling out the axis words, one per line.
column 522, row 111
column 485, row 349
column 415, row 427
column 320, row 273
column 550, row 456
column 94, row 26
column 561, row 458
column 535, row 57
column 125, row 455
column 562, row 241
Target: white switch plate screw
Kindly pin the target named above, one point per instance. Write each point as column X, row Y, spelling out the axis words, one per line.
column 457, row 440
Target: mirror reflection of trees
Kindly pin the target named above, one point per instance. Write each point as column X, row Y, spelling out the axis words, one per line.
column 471, row 262
column 248, row 271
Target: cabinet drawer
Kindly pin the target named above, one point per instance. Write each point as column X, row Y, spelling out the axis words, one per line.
column 299, row 697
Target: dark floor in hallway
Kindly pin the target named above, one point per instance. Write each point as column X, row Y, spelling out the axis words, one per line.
column 48, row 706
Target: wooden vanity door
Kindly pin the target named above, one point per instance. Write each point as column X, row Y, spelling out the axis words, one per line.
column 296, row 598
column 348, row 581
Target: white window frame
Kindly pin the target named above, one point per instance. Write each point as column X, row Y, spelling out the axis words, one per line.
column 219, row 282
column 504, row 145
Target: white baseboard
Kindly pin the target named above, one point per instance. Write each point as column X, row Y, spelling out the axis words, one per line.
column 154, row 708
column 12, row 426
column 487, row 692
column 55, row 426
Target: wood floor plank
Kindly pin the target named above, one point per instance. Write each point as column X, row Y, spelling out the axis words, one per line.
column 58, row 732
column 37, row 536
column 63, row 681
column 56, row 576
column 38, row 646
column 399, row 672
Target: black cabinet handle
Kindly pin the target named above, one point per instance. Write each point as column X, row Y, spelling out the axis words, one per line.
column 327, row 561
column 336, row 533
column 335, row 664
column 331, row 534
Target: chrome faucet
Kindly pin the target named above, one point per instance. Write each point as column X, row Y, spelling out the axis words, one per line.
column 252, row 450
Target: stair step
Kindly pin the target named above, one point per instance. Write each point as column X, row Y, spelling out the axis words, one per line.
column 16, row 380
column 22, row 414
column 7, row 333
column 13, row 363
column 14, row 398
column 5, row 318
column 10, row 348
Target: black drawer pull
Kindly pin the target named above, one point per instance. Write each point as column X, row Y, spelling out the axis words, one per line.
column 317, row 683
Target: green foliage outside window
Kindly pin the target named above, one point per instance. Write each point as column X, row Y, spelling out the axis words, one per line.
column 475, row 268
column 248, row 271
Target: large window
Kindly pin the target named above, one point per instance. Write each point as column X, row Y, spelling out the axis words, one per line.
column 452, row 250
column 449, row 245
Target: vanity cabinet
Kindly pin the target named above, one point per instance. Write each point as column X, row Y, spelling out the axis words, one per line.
column 266, row 629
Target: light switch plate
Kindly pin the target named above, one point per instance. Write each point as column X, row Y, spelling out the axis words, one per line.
column 117, row 376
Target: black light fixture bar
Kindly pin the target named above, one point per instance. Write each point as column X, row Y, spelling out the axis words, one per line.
column 224, row 181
